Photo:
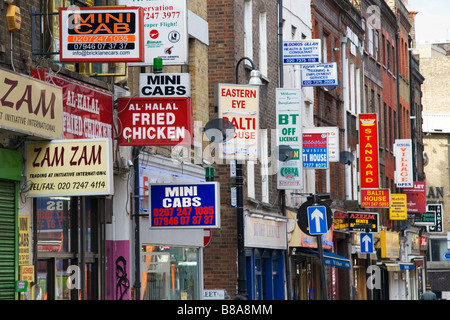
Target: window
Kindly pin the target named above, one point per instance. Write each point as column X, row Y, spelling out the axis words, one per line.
column 248, row 29
column 263, row 43
column 325, row 48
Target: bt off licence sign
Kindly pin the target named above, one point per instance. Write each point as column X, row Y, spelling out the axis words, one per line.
column 184, row 205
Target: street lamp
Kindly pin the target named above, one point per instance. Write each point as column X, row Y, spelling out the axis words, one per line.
column 255, row 79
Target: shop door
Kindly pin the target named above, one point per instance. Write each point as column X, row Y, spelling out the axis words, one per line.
column 8, row 240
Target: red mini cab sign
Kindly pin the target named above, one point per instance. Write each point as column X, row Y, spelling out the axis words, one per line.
column 368, row 151
column 101, row 34
column 154, row 121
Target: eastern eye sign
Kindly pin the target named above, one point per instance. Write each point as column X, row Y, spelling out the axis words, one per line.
column 101, row 34
column 184, row 205
column 154, row 121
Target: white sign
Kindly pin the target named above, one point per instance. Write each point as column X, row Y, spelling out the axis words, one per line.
column 333, row 140
column 403, row 163
column 239, row 104
column 264, row 233
column 165, row 30
column 302, row 51
column 164, row 85
column 313, row 75
column 289, row 129
column 216, row 294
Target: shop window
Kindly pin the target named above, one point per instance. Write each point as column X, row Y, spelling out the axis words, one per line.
column 170, row 273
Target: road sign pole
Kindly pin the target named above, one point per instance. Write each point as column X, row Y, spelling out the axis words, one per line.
column 369, row 291
column 323, row 287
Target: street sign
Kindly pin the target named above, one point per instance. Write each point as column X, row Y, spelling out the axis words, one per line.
column 302, row 51
column 317, row 220
column 316, row 75
column 447, row 255
column 302, row 215
column 366, row 242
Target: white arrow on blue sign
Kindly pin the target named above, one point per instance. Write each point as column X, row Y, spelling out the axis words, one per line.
column 366, row 242
column 447, row 255
column 317, row 220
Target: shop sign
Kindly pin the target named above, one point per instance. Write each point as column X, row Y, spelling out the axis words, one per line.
column 375, row 198
column 315, row 151
column 403, row 163
column 165, row 30
column 397, row 211
column 333, row 140
column 184, row 205
column 368, row 151
column 87, row 110
column 314, row 75
column 154, row 121
column 438, row 209
column 164, row 85
column 416, row 198
column 239, row 104
column 101, row 34
column 289, row 129
column 425, row 219
column 30, row 106
column 356, row 219
column 390, row 244
column 265, row 232
column 302, row 51
column 69, row 168
column 24, row 240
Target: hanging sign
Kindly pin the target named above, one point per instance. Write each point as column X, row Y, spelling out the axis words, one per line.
column 438, row 209
column 164, row 85
column 184, row 205
column 333, row 140
column 239, row 104
column 403, row 163
column 302, row 51
column 397, row 211
column 289, row 129
column 368, row 151
column 416, row 197
column 97, row 34
column 375, row 198
column 154, row 121
column 315, row 75
column 80, row 167
column 315, row 151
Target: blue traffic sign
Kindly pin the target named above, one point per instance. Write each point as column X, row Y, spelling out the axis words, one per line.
column 366, row 242
column 317, row 220
column 447, row 255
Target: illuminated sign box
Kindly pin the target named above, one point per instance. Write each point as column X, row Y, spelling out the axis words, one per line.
column 101, row 34
column 155, row 121
column 80, row 167
column 184, row 205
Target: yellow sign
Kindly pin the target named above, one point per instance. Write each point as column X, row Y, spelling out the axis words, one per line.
column 390, row 247
column 24, row 240
column 30, row 106
column 398, row 209
column 69, row 167
column 27, row 274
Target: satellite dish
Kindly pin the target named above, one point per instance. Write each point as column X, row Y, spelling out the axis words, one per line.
column 346, row 157
column 283, row 153
column 219, row 130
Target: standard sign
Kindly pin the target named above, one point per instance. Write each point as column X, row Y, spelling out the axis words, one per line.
column 184, row 205
column 302, row 51
column 314, row 75
column 79, row 167
column 164, row 85
column 101, row 34
column 155, row 121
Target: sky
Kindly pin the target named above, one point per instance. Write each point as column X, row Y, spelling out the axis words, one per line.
column 432, row 20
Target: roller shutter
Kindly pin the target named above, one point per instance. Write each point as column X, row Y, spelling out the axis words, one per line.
column 8, row 239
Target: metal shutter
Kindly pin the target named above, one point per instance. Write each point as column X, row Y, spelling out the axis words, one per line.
column 7, row 240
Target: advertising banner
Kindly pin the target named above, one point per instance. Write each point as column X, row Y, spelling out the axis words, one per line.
column 289, row 129
column 87, row 110
column 101, row 34
column 375, row 198
column 239, row 104
column 315, row 151
column 80, row 167
column 184, row 205
column 403, row 163
column 165, row 30
column 30, row 106
column 368, row 151
column 154, row 121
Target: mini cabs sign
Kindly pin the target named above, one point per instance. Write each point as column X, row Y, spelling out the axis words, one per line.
column 101, row 34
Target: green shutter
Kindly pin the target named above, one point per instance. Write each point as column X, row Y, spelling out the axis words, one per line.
column 8, row 240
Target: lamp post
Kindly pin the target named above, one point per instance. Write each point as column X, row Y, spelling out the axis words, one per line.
column 255, row 79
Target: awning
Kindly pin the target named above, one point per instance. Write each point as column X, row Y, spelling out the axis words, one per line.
column 399, row 266
column 330, row 259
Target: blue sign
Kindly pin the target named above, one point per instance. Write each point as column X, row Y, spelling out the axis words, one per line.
column 184, row 205
column 315, row 150
column 447, row 255
column 302, row 51
column 317, row 220
column 366, row 242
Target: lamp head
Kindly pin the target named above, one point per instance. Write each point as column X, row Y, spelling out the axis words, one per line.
column 255, row 78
